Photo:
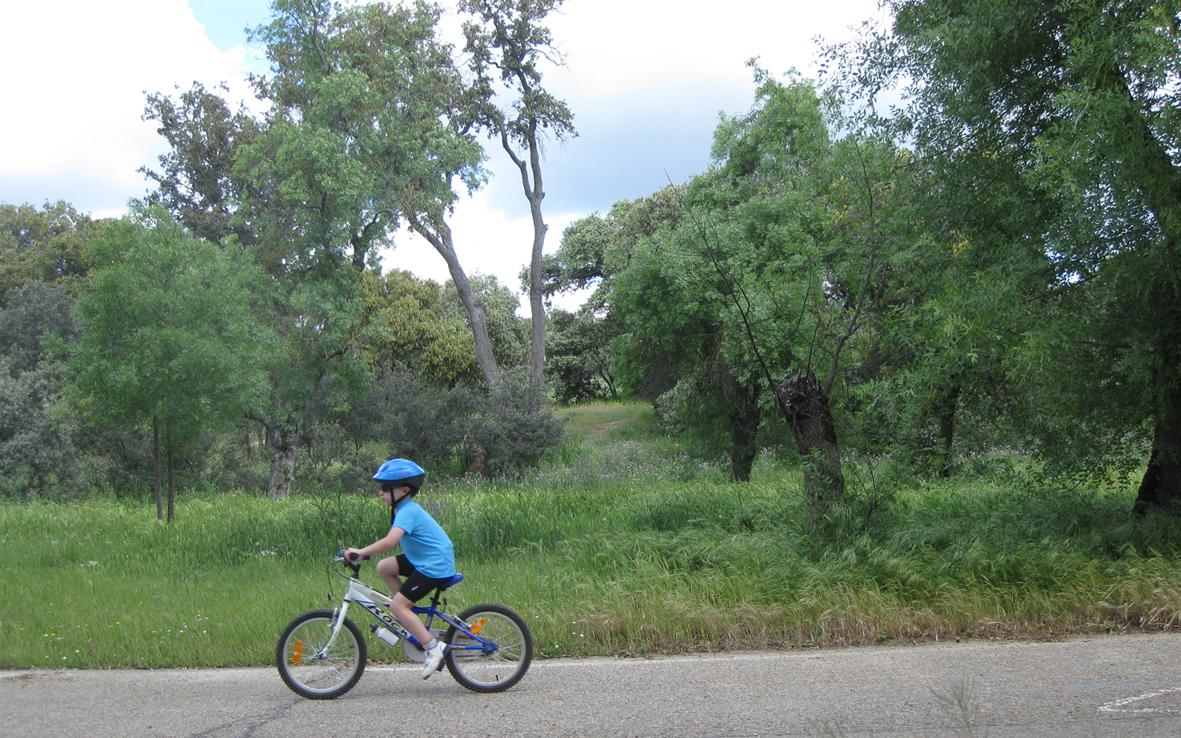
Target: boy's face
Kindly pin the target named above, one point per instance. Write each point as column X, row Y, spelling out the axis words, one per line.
column 390, row 494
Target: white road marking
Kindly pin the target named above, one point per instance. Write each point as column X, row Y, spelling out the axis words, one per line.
column 1120, row 705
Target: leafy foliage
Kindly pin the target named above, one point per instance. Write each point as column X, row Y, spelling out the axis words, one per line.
column 579, row 356
column 36, row 314
column 408, row 325
column 47, row 245
column 1053, row 127
column 36, row 451
column 195, row 182
column 42, row 265
column 510, row 433
column 170, row 339
column 454, row 429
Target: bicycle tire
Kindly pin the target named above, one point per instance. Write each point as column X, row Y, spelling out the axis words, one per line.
column 498, row 670
column 328, row 677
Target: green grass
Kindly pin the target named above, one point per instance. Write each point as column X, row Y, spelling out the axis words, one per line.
column 599, row 422
column 619, row 544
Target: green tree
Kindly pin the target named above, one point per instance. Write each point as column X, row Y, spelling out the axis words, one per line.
column 1077, row 102
column 762, row 296
column 43, row 266
column 195, row 181
column 170, row 344
column 426, row 399
column 508, row 40
column 407, row 328
column 593, row 251
column 46, row 245
column 580, row 357
column 357, row 140
column 371, row 119
column 212, row 182
column 37, row 452
column 420, row 326
column 35, row 312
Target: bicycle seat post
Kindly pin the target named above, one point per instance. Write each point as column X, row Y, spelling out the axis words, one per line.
column 438, row 595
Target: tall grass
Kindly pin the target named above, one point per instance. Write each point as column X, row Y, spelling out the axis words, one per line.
column 620, row 544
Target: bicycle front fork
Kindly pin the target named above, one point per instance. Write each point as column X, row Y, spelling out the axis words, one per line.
column 338, row 616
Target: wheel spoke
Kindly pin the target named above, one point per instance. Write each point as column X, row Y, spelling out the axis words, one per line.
column 313, row 669
column 490, row 672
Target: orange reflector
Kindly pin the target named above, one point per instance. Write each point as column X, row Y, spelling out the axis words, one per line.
column 297, row 653
column 478, row 626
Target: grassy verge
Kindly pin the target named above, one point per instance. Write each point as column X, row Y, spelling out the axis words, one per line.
column 617, row 547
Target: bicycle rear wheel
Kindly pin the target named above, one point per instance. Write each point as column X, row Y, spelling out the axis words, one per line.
column 499, row 666
column 310, row 670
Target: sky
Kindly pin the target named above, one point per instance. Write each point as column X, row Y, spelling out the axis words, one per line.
column 646, row 80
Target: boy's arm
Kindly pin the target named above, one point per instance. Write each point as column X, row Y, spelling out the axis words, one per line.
column 388, row 543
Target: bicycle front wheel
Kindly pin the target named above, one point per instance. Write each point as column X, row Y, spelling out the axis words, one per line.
column 309, row 667
column 501, row 663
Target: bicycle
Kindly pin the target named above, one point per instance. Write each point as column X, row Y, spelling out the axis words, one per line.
column 322, row 653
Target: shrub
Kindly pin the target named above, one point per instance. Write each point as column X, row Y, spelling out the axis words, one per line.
column 507, row 434
column 447, row 429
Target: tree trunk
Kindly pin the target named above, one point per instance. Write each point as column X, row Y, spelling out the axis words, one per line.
column 171, row 486
column 1161, row 486
column 536, row 306
column 441, row 240
column 536, row 310
column 156, row 467
column 744, row 431
column 609, row 380
column 1151, row 167
column 803, row 402
column 1149, row 163
column 284, row 447
column 946, row 411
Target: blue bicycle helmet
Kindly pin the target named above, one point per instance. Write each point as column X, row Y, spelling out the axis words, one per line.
column 399, row 472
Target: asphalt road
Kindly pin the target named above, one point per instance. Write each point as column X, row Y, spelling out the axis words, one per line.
column 1110, row 686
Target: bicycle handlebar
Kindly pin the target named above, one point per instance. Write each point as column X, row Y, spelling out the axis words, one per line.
column 349, row 561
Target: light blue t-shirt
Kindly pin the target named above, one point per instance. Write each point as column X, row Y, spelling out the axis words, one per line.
column 425, row 542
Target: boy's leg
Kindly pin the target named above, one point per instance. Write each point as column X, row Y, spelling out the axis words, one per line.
column 400, row 607
column 387, row 569
column 417, row 586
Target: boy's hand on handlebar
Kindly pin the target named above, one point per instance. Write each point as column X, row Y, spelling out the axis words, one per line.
column 354, row 554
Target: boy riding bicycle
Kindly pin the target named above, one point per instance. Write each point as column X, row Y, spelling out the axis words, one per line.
column 427, row 559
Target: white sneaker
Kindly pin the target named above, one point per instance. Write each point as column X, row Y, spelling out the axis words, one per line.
column 434, row 657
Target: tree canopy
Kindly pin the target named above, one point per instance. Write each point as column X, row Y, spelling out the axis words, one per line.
column 170, row 339
column 990, row 266
column 1055, row 127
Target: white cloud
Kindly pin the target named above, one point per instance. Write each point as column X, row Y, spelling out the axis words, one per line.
column 80, row 71
column 624, row 47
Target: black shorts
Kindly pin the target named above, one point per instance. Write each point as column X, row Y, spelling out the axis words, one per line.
column 416, row 585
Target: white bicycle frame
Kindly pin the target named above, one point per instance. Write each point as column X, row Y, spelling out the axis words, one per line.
column 377, row 605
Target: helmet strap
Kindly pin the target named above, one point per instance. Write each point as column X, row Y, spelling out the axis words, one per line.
column 394, row 501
